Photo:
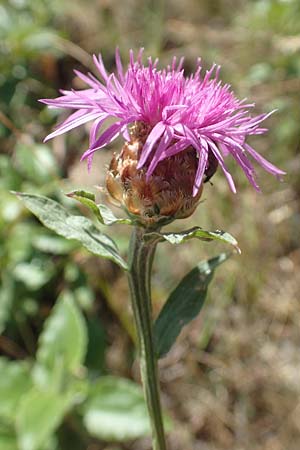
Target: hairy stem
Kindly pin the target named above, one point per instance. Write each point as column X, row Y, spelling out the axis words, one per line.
column 141, row 257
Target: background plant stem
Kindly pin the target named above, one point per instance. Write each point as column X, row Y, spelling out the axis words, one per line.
column 140, row 260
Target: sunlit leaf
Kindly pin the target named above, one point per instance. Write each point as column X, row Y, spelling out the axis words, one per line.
column 184, row 304
column 15, row 381
column 55, row 245
column 87, row 199
column 18, row 246
column 34, row 274
column 109, row 218
column 58, row 219
column 64, row 336
column 9, row 177
column 35, row 162
column 38, row 416
column 116, row 410
column 196, row 232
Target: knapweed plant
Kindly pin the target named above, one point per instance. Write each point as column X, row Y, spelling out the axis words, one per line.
column 177, row 131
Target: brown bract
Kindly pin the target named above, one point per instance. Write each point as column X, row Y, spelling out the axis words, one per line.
column 166, row 195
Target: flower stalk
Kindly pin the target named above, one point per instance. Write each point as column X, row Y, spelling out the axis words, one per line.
column 140, row 260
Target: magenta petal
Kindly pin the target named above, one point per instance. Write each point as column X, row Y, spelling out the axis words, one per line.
column 126, row 134
column 264, row 162
column 95, row 84
column 100, row 66
column 162, row 146
column 95, row 128
column 238, row 152
column 153, row 137
column 203, row 156
column 202, row 151
column 106, row 138
column 174, row 149
column 247, row 167
column 201, row 112
column 119, row 65
column 220, row 159
column 78, row 118
column 194, row 140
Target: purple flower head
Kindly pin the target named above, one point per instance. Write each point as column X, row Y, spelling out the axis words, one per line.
column 182, row 112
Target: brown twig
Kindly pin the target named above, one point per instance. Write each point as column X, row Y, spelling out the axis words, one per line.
column 9, row 124
column 75, row 51
column 11, row 348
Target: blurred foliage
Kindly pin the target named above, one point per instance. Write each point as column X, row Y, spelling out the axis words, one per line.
column 26, row 33
column 66, row 379
column 232, row 382
column 37, row 396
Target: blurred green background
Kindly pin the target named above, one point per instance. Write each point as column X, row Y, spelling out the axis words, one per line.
column 233, row 379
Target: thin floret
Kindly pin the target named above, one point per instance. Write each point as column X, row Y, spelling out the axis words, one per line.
column 181, row 112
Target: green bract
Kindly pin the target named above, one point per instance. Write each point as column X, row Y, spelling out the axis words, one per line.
column 102, row 212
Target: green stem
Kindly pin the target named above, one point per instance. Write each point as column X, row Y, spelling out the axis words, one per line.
column 140, row 259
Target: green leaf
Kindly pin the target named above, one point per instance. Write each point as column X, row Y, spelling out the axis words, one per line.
column 95, row 357
column 36, row 162
column 14, row 382
column 7, row 439
column 38, row 416
column 55, row 245
column 58, row 219
column 196, row 232
column 34, row 274
column 184, row 304
column 7, row 298
column 115, row 410
column 109, row 218
column 102, row 212
column 64, row 336
column 18, row 246
column 9, row 177
column 87, row 199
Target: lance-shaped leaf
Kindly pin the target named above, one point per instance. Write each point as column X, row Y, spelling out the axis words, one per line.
column 58, row 219
column 102, row 212
column 195, row 232
column 184, row 304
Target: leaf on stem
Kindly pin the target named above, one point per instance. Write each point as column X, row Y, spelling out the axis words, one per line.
column 184, row 304
column 196, row 232
column 58, row 219
column 102, row 212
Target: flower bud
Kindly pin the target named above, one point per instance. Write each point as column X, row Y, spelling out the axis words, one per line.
column 157, row 199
